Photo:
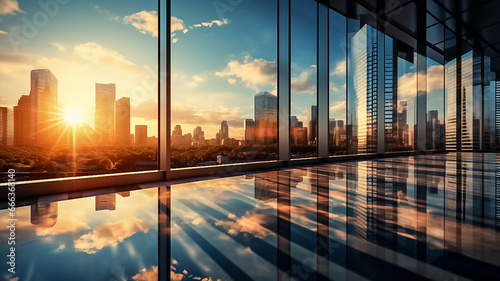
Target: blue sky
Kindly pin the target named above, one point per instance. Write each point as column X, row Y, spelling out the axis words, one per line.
column 82, row 43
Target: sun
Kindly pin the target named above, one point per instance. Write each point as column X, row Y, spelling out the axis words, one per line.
column 74, row 116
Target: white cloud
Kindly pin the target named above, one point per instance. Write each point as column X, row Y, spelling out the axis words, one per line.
column 3, row 32
column 105, row 12
column 59, row 46
column 340, row 68
column 338, row 106
column 198, row 78
column 253, row 222
column 231, row 81
column 147, row 275
column 305, row 82
column 254, row 73
column 176, row 24
column 9, row 7
column 145, row 21
column 110, row 234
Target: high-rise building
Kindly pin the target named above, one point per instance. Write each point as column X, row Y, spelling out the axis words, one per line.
column 224, row 130
column 313, row 124
column 472, row 101
column 177, row 139
column 198, row 136
column 122, row 132
column 22, row 120
column 3, row 125
column 402, row 125
column 266, row 114
column 363, row 91
column 44, row 215
column 451, row 104
column 141, row 135
column 105, row 202
column 44, row 108
column 105, row 95
column 249, row 131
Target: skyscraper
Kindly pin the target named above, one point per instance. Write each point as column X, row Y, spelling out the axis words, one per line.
column 363, row 91
column 123, row 121
column 177, row 139
column 3, row 125
column 266, row 122
column 22, row 120
column 44, row 108
column 141, row 134
column 44, row 215
column 105, row 202
column 224, row 130
column 105, row 95
column 313, row 124
column 249, row 131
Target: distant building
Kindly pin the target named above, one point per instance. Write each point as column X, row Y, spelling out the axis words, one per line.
column 177, row 139
column 122, row 132
column 6, row 126
column 249, row 127
column 141, row 135
column 22, row 120
column 266, row 118
column 300, row 136
column 105, row 202
column 224, row 130
column 44, row 215
column 313, row 124
column 44, row 108
column 198, row 137
column 152, row 141
column 132, row 138
column 105, row 95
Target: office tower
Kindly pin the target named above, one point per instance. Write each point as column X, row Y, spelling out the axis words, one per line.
column 313, row 124
column 6, row 126
column 249, row 126
column 299, row 136
column 451, row 102
column 177, row 140
column 332, row 124
column 188, row 139
column 224, row 130
column 218, row 138
column 105, row 95
column 44, row 215
column 403, row 128
column 122, row 132
column 294, row 121
column 141, row 134
column 266, row 122
column 22, row 120
column 362, row 108
column 44, row 108
column 496, row 86
column 105, row 202
column 471, row 101
column 152, row 141
column 198, row 136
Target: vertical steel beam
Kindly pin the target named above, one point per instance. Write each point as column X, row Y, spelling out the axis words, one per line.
column 284, row 80
column 380, row 79
column 164, row 86
column 323, row 80
column 421, row 102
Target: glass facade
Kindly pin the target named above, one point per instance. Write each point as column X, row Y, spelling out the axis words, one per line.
column 75, row 100
column 93, row 105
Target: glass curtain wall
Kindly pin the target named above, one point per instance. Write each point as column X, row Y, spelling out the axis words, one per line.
column 224, row 97
column 361, row 88
column 76, row 101
column 435, row 105
column 304, row 110
column 337, row 90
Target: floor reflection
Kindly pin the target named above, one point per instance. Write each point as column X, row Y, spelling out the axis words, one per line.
column 431, row 217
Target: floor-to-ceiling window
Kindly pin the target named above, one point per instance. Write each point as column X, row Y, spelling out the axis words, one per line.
column 224, row 74
column 79, row 88
column 337, row 88
column 303, row 102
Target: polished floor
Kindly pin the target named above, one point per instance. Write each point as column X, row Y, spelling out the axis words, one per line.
column 433, row 217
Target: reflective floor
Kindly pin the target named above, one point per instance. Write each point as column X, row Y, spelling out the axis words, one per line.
column 431, row 217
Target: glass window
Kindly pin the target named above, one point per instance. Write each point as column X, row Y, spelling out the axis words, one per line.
column 79, row 88
column 224, row 103
column 338, row 68
column 435, row 105
column 304, row 110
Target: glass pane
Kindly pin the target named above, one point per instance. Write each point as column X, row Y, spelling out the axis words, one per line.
column 435, row 105
column 224, row 104
column 304, row 110
column 362, row 88
column 451, row 104
column 338, row 56
column 72, row 94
